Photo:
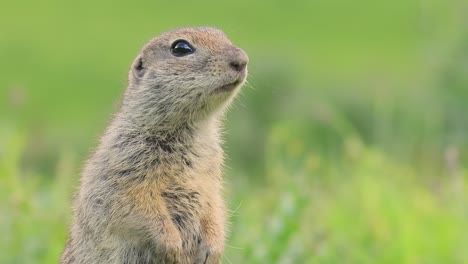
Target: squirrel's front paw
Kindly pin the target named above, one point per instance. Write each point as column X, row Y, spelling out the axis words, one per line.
column 207, row 255
column 174, row 254
column 169, row 246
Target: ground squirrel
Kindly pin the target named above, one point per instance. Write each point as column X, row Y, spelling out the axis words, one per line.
column 152, row 191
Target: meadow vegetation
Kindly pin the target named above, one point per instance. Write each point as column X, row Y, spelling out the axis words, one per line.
column 348, row 145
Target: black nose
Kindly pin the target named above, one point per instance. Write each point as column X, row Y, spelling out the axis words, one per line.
column 238, row 65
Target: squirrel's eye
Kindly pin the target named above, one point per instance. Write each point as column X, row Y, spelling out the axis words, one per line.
column 181, row 48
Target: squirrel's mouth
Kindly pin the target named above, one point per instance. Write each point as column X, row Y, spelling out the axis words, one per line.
column 229, row 87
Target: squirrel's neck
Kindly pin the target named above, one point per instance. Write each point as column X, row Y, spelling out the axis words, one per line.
column 160, row 129
column 131, row 150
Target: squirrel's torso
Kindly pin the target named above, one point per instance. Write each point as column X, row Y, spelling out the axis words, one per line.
column 180, row 174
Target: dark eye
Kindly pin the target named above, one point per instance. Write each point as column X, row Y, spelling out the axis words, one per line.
column 181, row 48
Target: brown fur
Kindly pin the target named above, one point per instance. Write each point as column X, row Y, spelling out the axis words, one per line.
column 152, row 191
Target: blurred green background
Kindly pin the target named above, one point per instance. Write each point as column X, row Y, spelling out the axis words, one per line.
column 349, row 145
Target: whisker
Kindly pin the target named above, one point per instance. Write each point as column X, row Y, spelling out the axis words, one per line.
column 227, row 259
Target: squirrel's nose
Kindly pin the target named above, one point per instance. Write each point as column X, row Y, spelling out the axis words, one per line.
column 239, row 60
column 238, row 65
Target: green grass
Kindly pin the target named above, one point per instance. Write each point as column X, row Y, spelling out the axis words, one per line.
column 349, row 145
column 364, row 208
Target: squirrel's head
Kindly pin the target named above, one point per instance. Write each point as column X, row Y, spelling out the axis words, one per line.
column 185, row 75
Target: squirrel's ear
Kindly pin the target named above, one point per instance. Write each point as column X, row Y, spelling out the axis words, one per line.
column 139, row 69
